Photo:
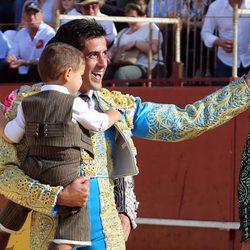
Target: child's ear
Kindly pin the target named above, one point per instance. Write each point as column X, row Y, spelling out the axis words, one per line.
column 67, row 73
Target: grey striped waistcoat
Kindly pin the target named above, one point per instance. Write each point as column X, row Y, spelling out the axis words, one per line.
column 48, row 116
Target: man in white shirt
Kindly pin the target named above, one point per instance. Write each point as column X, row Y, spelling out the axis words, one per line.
column 92, row 8
column 28, row 45
column 220, row 17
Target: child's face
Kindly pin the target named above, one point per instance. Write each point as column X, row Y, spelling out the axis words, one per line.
column 68, row 4
column 75, row 80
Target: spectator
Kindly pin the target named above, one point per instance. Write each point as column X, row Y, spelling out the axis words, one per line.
column 67, row 7
column 136, row 36
column 92, row 8
column 223, row 21
column 23, row 56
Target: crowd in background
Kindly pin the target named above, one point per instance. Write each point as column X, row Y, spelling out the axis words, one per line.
column 206, row 34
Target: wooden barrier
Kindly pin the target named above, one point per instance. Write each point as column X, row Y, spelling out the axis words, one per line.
column 195, row 179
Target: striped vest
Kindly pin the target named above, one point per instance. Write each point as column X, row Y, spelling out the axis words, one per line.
column 48, row 116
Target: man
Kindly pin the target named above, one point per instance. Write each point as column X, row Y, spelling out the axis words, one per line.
column 86, row 35
column 92, row 8
column 222, row 21
column 28, row 45
column 114, row 151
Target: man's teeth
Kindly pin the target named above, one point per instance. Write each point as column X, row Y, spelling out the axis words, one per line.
column 97, row 74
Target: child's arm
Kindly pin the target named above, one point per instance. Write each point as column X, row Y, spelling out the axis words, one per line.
column 91, row 119
column 114, row 116
column 3, row 122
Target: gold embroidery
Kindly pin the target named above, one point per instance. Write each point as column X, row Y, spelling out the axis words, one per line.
column 43, row 229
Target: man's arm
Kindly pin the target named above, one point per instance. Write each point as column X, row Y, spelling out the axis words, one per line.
column 167, row 122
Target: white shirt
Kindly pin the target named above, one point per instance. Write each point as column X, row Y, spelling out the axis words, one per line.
column 81, row 112
column 220, row 15
column 142, row 34
column 25, row 48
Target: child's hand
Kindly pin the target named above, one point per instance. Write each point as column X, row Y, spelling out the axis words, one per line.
column 114, row 114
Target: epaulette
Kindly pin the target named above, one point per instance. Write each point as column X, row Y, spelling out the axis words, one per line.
column 117, row 99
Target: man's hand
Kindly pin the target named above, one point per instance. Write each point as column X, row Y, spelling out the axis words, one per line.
column 10, row 58
column 126, row 226
column 75, row 194
column 226, row 45
column 17, row 63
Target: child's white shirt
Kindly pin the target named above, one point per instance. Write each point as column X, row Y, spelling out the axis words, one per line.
column 82, row 112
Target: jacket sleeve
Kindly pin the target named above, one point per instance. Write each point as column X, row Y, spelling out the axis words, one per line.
column 167, row 122
column 125, row 198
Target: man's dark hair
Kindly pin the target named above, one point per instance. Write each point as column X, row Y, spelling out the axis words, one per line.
column 75, row 32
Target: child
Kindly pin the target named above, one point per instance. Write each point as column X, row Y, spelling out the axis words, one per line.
column 56, row 123
column 68, row 8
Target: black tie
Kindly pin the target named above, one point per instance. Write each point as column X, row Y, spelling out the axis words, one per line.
column 84, row 97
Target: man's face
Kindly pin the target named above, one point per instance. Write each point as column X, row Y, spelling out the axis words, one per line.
column 32, row 19
column 95, row 53
column 90, row 9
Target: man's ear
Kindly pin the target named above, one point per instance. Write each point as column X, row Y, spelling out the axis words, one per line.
column 66, row 74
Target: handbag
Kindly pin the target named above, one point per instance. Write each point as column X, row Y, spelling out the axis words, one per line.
column 122, row 57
